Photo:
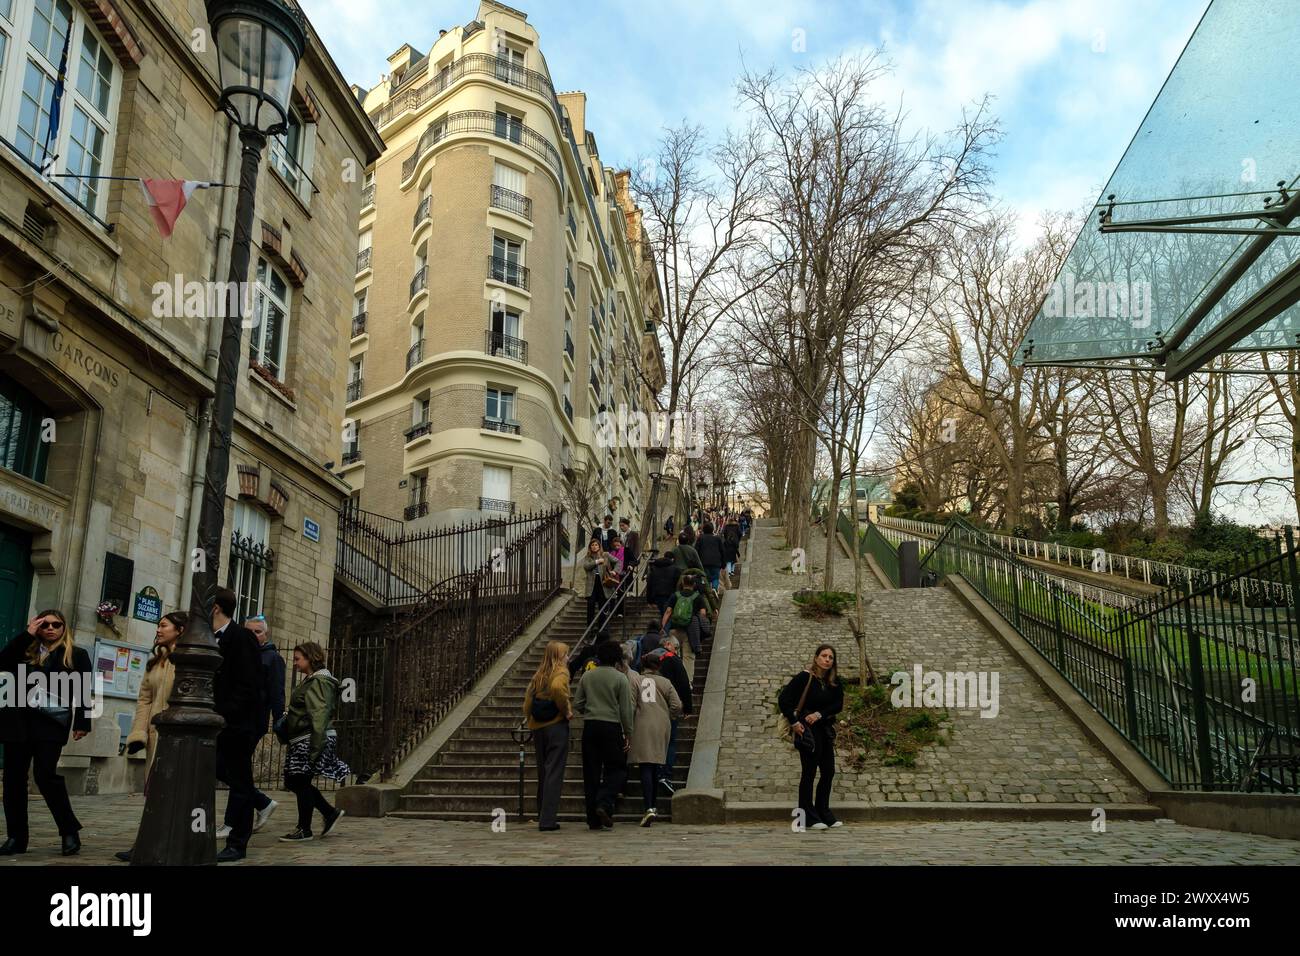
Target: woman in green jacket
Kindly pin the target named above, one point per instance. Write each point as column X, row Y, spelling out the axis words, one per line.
column 313, row 743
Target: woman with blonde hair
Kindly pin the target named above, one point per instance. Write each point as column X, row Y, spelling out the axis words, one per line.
column 548, row 708
column 810, row 702
column 34, row 734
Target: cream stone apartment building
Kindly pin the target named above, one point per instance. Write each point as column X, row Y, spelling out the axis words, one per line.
column 505, row 292
column 105, row 379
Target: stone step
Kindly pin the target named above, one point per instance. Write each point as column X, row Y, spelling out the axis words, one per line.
column 574, row 821
column 490, row 786
column 496, row 751
column 485, row 804
column 500, row 772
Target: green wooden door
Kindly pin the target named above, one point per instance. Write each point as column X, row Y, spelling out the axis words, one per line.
column 15, row 581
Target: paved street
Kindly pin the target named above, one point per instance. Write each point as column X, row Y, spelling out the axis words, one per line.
column 1030, row 752
column 110, row 824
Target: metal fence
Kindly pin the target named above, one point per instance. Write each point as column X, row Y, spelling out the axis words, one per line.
column 1159, row 573
column 1199, row 679
column 409, row 674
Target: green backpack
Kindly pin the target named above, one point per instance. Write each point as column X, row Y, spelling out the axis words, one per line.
column 683, row 608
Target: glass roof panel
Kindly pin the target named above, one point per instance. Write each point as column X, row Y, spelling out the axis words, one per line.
column 1221, row 134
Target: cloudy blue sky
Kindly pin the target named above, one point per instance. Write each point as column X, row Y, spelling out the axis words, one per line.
column 1071, row 78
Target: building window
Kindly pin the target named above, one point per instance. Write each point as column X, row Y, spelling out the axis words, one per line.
column 286, row 151
column 22, row 422
column 496, row 489
column 251, row 559
column 509, row 126
column 266, row 343
column 83, row 140
column 500, row 405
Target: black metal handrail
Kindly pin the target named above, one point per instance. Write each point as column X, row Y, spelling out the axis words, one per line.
column 499, row 67
column 568, row 343
column 415, row 355
column 627, row 587
column 500, row 425
column 481, row 121
column 512, row 201
column 498, row 343
column 508, row 271
column 420, row 281
column 496, row 504
column 418, row 430
column 417, row 509
column 359, row 324
column 422, row 212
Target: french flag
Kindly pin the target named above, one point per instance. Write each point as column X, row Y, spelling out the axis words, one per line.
column 167, row 197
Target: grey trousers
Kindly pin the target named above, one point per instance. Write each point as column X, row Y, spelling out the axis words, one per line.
column 552, row 745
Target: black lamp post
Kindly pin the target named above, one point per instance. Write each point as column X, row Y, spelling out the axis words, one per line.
column 258, row 44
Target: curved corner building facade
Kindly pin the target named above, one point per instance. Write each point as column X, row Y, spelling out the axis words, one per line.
column 504, row 290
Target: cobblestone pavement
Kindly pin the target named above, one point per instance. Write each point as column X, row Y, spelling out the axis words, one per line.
column 110, row 824
column 1031, row 752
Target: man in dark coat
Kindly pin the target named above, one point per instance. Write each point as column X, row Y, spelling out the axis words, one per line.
column 237, row 693
column 270, row 708
column 631, row 542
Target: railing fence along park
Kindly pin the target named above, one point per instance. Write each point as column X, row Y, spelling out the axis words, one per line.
column 1201, row 678
column 459, row 596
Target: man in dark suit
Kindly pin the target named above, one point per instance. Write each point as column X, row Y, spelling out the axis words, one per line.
column 605, row 533
column 237, row 693
column 631, row 542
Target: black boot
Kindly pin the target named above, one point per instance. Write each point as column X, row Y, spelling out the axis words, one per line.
column 124, row 855
column 71, row 844
column 12, row 846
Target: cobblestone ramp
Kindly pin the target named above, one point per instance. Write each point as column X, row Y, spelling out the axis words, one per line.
column 1032, row 752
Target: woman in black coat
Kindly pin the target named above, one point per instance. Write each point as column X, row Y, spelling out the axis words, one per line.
column 816, row 716
column 35, row 735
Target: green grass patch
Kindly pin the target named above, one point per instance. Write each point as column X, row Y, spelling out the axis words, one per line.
column 871, row 728
column 819, row 604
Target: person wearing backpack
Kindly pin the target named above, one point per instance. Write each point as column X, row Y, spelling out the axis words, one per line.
column 687, row 612
column 661, row 581
column 686, row 558
column 313, row 742
column 548, row 709
column 810, row 702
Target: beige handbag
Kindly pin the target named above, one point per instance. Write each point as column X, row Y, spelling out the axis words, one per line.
column 784, row 730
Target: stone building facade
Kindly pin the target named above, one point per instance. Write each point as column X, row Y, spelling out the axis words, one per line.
column 108, row 338
column 500, row 299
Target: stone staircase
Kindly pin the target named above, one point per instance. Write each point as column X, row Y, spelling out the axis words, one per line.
column 477, row 771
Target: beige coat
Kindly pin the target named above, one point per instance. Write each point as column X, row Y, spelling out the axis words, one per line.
column 655, row 710
column 155, row 691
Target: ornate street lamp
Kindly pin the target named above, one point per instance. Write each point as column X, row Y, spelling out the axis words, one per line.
column 259, row 44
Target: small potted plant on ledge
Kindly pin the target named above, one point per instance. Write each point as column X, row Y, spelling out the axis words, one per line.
column 107, row 613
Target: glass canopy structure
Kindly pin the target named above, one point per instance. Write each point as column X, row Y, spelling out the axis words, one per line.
column 1194, row 251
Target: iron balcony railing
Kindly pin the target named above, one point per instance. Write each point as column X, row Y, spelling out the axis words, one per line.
column 498, row 425
column 511, row 201
column 420, row 281
column 354, row 389
column 418, row 430
column 368, row 196
column 508, row 271
column 595, row 382
column 568, row 343
column 568, row 284
column 421, row 212
column 464, row 595
column 363, row 260
column 415, row 510
column 568, row 408
column 481, row 63
column 359, row 324
column 498, row 343
column 595, row 323
column 415, row 355
column 491, row 124
column 496, row 504
column 351, row 455
column 573, row 224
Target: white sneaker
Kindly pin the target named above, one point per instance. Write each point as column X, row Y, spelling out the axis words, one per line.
column 819, row 826
column 223, row 831
column 837, row 823
column 649, row 817
column 262, row 816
